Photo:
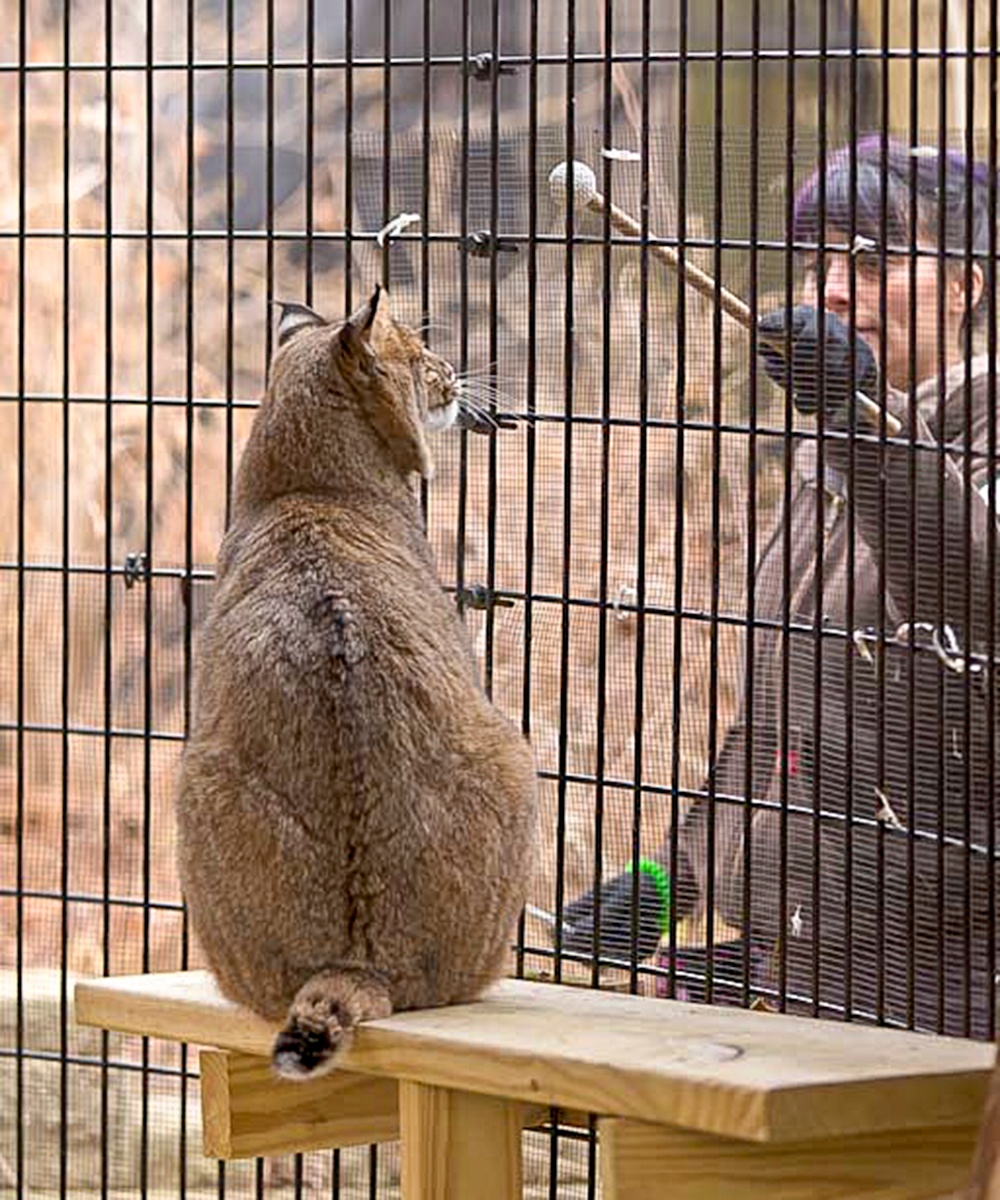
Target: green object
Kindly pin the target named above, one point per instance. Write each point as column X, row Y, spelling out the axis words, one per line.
column 659, row 876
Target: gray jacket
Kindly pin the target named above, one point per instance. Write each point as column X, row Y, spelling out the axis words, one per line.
column 864, row 862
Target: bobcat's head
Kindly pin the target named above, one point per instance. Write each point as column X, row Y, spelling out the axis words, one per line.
column 325, row 375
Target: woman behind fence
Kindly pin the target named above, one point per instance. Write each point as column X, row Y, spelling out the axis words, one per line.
column 847, row 827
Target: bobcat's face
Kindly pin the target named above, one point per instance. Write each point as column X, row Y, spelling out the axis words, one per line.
column 437, row 388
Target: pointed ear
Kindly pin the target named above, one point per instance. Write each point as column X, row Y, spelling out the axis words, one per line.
column 362, row 320
column 355, row 335
column 294, row 318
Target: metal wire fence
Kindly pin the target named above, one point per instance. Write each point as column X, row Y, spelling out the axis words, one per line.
column 753, row 646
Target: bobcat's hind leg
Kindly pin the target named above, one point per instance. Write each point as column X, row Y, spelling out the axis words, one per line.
column 323, row 1016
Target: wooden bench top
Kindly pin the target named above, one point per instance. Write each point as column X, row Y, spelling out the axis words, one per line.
column 755, row 1076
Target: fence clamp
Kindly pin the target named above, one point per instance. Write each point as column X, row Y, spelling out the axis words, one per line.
column 136, row 569
column 481, row 67
column 479, row 597
column 480, row 244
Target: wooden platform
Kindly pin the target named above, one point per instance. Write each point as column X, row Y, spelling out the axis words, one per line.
column 710, row 1099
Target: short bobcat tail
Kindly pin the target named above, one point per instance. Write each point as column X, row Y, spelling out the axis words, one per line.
column 322, row 1018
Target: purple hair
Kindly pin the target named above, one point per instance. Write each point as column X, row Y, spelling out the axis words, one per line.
column 948, row 191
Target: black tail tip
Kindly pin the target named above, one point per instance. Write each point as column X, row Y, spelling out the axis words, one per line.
column 303, row 1053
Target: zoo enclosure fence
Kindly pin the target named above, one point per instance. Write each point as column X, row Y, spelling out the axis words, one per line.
column 170, row 170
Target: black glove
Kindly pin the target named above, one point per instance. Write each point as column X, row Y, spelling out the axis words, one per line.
column 616, row 919
column 835, row 392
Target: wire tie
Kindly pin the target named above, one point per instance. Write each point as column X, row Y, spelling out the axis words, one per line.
column 395, row 227
column 624, row 595
column 136, row 569
column 481, row 598
column 885, row 813
column 616, row 155
column 861, row 645
column 481, row 67
column 947, row 648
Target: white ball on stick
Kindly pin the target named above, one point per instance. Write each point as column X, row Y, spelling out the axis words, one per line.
column 580, row 186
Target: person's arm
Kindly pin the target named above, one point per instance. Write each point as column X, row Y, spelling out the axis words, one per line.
column 912, row 503
column 928, row 524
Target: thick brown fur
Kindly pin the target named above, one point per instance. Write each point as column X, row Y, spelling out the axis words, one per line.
column 356, row 820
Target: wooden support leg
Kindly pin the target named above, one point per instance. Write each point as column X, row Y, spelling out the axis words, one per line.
column 650, row 1162
column 456, row 1145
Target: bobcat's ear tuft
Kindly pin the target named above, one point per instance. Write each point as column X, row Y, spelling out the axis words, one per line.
column 362, row 320
column 373, row 306
column 294, row 318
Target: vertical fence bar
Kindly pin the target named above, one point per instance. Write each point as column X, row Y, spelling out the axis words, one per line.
column 967, row 776
column 269, row 83
column 753, row 300
column 786, row 551
column 425, row 171
column 530, row 385
column 310, row 148
column 387, row 136
column 189, row 415
column 491, row 358
column 66, row 582
column 850, row 517
column 641, row 497
column 569, row 409
column 600, row 714
column 230, row 289
column 463, row 296
column 19, row 708
column 150, row 495
column 941, row 232
column 711, row 746
column 680, row 368
column 911, row 594
column 815, row 757
column 348, row 214
column 911, row 597
column 109, row 329
column 880, row 619
column 147, row 582
column 990, row 271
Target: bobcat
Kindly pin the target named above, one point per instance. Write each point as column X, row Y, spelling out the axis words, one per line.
column 356, row 821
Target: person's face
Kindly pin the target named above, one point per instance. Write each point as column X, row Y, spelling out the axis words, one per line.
column 907, row 288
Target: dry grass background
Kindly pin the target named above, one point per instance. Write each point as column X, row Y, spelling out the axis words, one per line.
column 138, row 317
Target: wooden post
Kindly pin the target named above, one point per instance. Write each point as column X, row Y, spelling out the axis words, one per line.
column 654, row 1162
column 455, row 1144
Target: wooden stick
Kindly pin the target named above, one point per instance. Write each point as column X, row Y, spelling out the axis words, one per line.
column 583, row 188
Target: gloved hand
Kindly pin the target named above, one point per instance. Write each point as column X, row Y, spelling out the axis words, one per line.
column 835, row 392
column 616, row 917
